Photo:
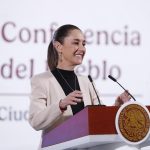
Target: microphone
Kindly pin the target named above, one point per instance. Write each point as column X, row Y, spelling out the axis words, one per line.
column 112, row 78
column 91, row 80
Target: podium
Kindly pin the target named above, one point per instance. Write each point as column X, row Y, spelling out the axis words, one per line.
column 92, row 128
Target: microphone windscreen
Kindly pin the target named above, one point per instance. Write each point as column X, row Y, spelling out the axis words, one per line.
column 90, row 78
column 112, row 78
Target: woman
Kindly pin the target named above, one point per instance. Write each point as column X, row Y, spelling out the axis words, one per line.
column 60, row 93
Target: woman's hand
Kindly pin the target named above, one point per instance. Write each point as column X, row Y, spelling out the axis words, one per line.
column 71, row 99
column 122, row 98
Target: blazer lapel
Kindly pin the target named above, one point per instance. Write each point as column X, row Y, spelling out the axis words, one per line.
column 84, row 89
column 59, row 88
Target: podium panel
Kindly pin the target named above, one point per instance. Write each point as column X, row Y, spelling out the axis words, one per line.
column 91, row 127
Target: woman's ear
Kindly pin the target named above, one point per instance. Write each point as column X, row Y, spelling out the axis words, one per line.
column 58, row 46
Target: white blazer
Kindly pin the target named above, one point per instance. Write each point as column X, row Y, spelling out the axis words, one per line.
column 44, row 112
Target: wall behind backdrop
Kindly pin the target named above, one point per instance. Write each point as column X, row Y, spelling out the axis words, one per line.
column 117, row 34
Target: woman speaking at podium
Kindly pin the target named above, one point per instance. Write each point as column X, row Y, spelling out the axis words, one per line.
column 60, row 93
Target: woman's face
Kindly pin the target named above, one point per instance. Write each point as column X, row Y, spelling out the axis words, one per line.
column 73, row 48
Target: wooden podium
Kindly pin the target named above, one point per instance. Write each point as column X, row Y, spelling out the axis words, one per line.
column 92, row 128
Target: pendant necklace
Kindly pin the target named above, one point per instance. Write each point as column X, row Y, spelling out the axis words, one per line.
column 67, row 81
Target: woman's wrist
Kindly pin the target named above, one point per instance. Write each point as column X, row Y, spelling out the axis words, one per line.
column 62, row 106
column 118, row 101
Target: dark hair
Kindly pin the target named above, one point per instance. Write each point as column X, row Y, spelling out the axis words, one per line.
column 59, row 35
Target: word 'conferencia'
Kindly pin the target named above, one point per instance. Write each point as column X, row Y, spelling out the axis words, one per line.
column 126, row 36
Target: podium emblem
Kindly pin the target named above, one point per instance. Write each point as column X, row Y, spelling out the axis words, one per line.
column 133, row 122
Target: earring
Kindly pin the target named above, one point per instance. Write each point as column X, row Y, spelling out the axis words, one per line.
column 60, row 56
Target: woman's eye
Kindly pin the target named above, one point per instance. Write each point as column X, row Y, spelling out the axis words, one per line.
column 83, row 44
column 76, row 43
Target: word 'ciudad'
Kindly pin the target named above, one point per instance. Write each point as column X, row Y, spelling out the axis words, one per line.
column 12, row 114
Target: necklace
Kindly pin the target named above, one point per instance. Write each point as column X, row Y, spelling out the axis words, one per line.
column 67, row 81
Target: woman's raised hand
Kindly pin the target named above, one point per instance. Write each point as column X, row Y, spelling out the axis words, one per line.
column 71, row 99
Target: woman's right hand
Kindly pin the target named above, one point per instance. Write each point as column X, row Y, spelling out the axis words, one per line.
column 71, row 99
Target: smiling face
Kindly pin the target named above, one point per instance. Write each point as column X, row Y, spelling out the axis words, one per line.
column 72, row 50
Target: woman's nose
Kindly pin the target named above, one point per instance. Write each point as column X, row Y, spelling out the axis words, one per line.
column 82, row 48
